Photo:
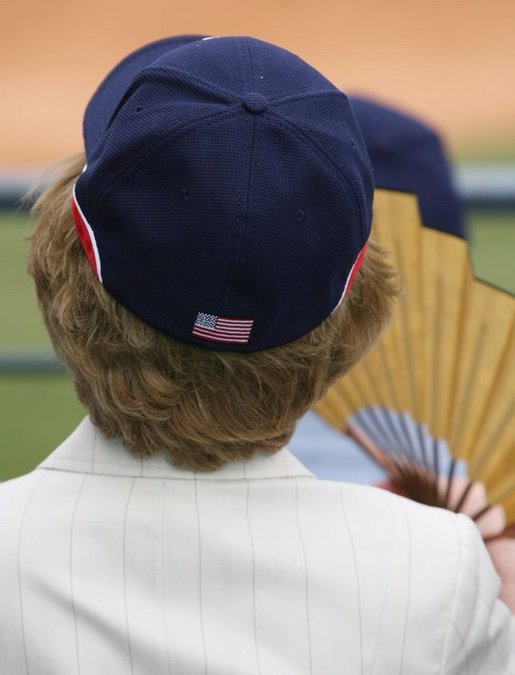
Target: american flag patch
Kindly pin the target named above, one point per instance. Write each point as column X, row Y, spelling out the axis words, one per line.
column 221, row 329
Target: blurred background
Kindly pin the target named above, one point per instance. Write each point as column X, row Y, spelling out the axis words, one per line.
column 451, row 64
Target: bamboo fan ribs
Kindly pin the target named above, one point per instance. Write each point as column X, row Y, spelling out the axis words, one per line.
column 435, row 397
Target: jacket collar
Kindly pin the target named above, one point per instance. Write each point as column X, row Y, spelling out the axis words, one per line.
column 88, row 451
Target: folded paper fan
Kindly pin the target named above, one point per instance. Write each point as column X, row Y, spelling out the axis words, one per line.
column 435, row 397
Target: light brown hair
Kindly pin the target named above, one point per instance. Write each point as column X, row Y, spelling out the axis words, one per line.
column 198, row 407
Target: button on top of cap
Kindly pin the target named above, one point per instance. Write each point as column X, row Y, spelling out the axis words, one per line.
column 255, row 103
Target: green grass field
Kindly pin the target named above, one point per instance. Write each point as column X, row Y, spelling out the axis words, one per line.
column 38, row 411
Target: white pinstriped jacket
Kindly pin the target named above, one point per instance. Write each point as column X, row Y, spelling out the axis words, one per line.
column 110, row 565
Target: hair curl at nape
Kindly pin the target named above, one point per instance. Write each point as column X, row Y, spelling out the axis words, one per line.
column 199, row 408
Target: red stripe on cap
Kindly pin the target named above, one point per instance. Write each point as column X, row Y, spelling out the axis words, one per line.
column 84, row 236
column 354, row 269
column 352, row 274
column 211, row 336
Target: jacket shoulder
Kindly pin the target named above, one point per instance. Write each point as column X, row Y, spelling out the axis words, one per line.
column 416, row 570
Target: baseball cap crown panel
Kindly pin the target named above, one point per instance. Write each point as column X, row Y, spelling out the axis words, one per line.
column 327, row 121
column 112, row 88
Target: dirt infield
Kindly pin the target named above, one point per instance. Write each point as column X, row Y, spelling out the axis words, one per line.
column 450, row 62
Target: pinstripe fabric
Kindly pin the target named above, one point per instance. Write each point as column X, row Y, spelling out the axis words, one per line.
column 114, row 565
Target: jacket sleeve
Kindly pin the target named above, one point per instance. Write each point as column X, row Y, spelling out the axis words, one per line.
column 481, row 633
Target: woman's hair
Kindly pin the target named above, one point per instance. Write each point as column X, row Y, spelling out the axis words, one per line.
column 198, row 407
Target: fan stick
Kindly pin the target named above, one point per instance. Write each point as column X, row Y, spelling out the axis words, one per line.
column 371, row 449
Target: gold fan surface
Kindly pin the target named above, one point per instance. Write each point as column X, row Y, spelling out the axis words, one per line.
column 448, row 356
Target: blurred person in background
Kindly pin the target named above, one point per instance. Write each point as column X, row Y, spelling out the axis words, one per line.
column 205, row 273
column 409, row 156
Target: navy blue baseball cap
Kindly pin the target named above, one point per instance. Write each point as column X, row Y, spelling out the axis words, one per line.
column 409, row 156
column 227, row 196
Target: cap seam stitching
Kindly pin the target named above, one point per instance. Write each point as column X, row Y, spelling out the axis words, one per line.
column 250, row 232
column 320, row 93
column 189, row 76
column 237, row 260
column 252, row 84
column 239, row 248
column 231, row 266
